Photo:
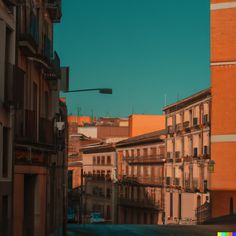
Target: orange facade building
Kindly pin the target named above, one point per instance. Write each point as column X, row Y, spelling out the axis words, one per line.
column 223, row 79
column 141, row 124
column 80, row 120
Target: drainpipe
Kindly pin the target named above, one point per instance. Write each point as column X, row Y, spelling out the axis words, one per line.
column 12, row 120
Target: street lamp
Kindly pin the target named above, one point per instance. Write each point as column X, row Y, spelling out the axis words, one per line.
column 101, row 90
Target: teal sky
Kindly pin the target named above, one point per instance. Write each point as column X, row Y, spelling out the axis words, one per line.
column 143, row 49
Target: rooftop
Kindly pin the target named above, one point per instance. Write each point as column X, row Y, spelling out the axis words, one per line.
column 188, row 100
column 156, row 136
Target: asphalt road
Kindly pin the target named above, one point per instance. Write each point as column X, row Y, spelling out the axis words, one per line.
column 146, row 230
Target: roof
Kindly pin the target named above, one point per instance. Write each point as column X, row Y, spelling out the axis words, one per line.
column 142, row 139
column 188, row 100
column 98, row 148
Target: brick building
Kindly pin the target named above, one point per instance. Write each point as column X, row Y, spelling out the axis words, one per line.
column 140, row 192
column 187, row 177
column 99, row 175
column 40, row 152
column 223, row 83
column 10, row 78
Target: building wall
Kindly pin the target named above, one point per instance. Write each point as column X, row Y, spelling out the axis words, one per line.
column 104, row 132
column 91, row 132
column 140, row 189
column 188, row 156
column 7, row 55
column 80, row 120
column 223, row 74
column 99, row 192
column 141, row 124
column 76, row 178
column 40, row 149
column 92, row 163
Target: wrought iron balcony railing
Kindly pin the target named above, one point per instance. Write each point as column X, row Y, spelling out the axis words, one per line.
column 28, row 28
column 145, row 159
column 140, row 203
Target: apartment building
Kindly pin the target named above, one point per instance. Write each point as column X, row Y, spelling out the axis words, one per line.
column 188, row 160
column 40, row 128
column 10, row 78
column 140, row 179
column 223, row 83
column 142, row 124
column 99, row 175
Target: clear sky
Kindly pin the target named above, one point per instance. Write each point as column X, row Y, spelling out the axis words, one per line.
column 143, row 49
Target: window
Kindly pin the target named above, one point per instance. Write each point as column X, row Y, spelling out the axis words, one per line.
column 5, row 212
column 195, row 152
column 98, row 160
column 108, row 212
column 145, row 152
column 171, row 204
column 108, row 160
column 205, row 150
column 70, row 180
column 153, row 151
column 94, row 160
column 108, row 193
column 103, row 173
column 138, row 152
column 132, row 153
column 103, row 160
column 5, row 152
column 195, row 121
column 46, row 102
column 127, row 153
column 108, row 174
column 180, row 206
column 205, row 119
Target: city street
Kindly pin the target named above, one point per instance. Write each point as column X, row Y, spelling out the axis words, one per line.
column 147, row 230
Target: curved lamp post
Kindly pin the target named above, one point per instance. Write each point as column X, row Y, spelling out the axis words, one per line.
column 101, row 90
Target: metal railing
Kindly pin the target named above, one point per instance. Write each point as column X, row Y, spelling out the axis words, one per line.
column 47, row 47
column 140, row 203
column 144, row 159
column 150, row 180
column 29, row 25
column 203, row 213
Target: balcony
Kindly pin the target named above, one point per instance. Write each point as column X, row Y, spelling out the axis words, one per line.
column 96, row 177
column 205, row 120
column 150, row 181
column 176, row 181
column 46, row 131
column 195, row 123
column 146, row 203
column 54, row 10
column 145, row 181
column 14, row 87
column 47, row 48
column 186, row 126
column 203, row 213
column 28, row 30
column 179, row 127
column 54, row 73
column 170, row 129
column 146, row 159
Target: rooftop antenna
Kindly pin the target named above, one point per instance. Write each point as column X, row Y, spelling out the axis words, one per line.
column 165, row 99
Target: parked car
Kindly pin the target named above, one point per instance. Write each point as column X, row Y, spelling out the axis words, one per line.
column 96, row 218
column 71, row 216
